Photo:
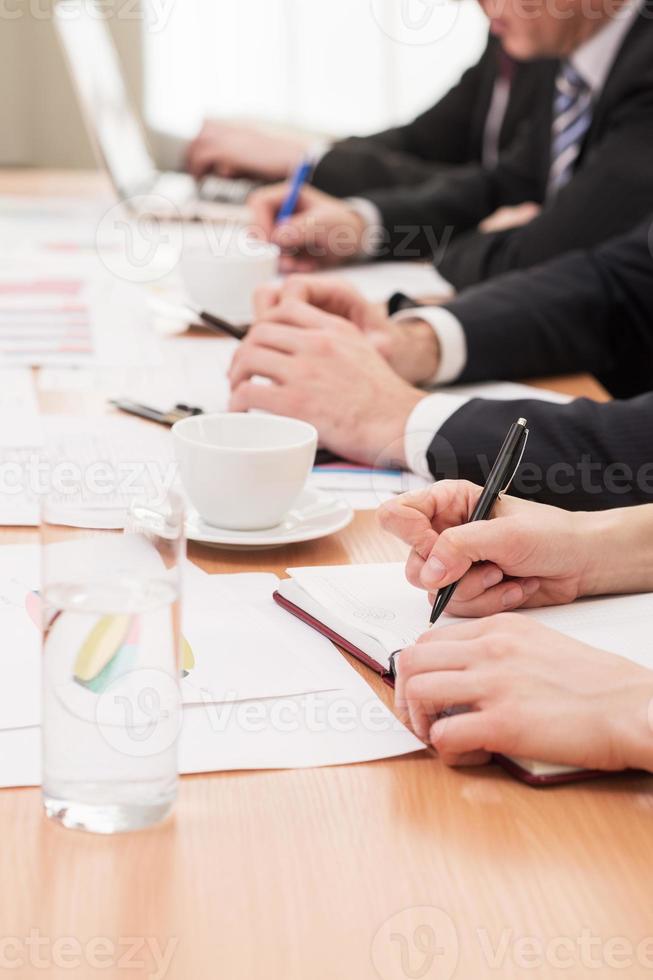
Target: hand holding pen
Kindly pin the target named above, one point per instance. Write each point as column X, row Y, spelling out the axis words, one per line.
column 435, row 523
column 501, row 476
column 301, row 176
column 313, row 229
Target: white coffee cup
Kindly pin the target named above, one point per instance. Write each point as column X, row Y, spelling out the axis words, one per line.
column 243, row 472
column 222, row 267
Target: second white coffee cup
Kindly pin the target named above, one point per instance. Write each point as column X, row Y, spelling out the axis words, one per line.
column 221, row 274
column 244, row 472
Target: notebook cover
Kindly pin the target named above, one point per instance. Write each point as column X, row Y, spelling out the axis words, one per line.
column 531, row 779
column 508, row 765
column 334, row 637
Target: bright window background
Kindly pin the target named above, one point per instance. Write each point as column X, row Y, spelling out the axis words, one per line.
column 329, row 66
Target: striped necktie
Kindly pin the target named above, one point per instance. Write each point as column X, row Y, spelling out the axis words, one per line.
column 572, row 118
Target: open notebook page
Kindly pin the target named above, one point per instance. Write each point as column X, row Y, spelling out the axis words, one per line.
column 619, row 624
column 378, row 601
column 373, row 600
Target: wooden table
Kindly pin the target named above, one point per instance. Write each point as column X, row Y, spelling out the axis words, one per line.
column 311, row 875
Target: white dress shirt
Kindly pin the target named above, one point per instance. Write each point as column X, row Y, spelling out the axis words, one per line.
column 593, row 60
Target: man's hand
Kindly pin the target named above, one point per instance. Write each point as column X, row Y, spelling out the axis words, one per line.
column 505, row 219
column 528, row 554
column 324, row 371
column 323, row 232
column 529, row 692
column 237, row 150
column 410, row 348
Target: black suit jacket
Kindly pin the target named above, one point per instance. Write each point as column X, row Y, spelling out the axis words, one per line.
column 586, row 311
column 449, row 134
column 591, row 311
column 612, row 187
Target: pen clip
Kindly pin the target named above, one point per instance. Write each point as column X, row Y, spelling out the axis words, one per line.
column 522, row 450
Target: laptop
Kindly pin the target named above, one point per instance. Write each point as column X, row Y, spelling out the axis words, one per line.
column 117, row 134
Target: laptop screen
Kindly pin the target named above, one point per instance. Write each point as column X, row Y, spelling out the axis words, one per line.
column 97, row 77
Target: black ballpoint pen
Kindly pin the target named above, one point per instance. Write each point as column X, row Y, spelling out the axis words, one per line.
column 169, row 418
column 217, row 323
column 500, row 478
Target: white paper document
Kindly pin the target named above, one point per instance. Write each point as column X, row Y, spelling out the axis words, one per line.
column 44, row 318
column 223, row 628
column 377, row 281
column 72, row 313
column 361, row 487
column 241, row 651
column 346, row 724
column 20, row 649
column 193, row 371
column 20, row 420
column 38, row 229
column 349, row 725
column 265, row 690
column 98, row 466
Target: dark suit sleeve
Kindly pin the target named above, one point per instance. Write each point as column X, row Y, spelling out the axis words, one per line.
column 580, row 456
column 354, row 167
column 609, row 194
column 587, row 311
column 422, row 222
column 447, row 134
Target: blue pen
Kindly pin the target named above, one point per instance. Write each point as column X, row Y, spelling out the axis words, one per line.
column 301, row 175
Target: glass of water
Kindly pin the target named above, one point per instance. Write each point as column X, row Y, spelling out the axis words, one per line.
column 111, row 705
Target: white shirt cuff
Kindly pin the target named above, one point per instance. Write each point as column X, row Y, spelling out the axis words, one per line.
column 425, row 421
column 319, row 150
column 451, row 337
column 374, row 232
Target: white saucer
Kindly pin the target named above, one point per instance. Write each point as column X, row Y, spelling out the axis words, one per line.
column 315, row 515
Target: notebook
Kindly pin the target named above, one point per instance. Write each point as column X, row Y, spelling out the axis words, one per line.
column 372, row 611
